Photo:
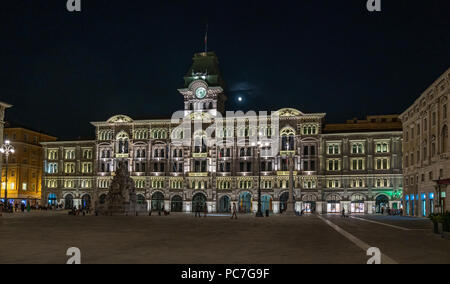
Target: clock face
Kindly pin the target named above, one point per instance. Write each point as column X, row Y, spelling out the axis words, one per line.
column 200, row 93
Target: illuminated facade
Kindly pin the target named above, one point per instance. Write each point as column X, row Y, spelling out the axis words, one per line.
column 426, row 149
column 354, row 166
column 25, row 165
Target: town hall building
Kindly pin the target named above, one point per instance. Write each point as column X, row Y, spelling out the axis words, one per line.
column 178, row 163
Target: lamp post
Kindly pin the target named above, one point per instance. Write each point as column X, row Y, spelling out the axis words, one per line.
column 6, row 149
column 258, row 149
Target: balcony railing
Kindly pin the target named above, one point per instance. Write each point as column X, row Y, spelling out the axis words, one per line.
column 199, row 155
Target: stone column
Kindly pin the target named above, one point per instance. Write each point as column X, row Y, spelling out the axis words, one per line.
column 276, row 207
column 290, row 208
column 167, row 205
column 370, row 205
column 255, row 206
column 319, row 207
column 211, row 206
column 391, row 204
column 346, row 205
column 187, row 206
column 298, row 206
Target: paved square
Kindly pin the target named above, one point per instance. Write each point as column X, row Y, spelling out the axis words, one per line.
column 45, row 237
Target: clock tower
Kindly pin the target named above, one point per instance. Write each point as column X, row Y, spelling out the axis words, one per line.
column 203, row 85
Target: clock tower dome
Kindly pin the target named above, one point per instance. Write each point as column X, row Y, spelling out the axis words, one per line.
column 203, row 85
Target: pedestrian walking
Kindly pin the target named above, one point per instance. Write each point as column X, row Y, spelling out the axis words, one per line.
column 205, row 210
column 234, row 211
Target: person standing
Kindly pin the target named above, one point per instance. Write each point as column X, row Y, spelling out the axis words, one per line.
column 205, row 210
column 343, row 213
column 234, row 211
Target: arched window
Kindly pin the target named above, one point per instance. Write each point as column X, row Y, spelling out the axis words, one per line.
column 122, row 142
column 288, row 139
column 200, row 142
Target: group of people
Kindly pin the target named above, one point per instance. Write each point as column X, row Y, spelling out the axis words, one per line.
column 82, row 210
column 199, row 208
column 160, row 211
column 391, row 212
column 18, row 207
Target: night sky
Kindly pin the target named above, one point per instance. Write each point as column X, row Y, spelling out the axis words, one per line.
column 62, row 70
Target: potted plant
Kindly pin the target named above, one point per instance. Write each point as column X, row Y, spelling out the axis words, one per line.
column 445, row 220
column 435, row 218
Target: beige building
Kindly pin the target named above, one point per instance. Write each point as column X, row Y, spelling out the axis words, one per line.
column 25, row 165
column 426, row 150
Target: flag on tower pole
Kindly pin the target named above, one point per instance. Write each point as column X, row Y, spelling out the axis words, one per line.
column 206, row 39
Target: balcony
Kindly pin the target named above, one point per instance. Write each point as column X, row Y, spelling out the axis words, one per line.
column 199, row 155
column 122, row 155
column 287, row 153
column 198, row 174
column 286, row 173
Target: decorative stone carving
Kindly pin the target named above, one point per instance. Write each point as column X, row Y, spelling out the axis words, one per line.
column 121, row 198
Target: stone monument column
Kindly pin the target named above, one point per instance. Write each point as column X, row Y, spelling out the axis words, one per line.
column 290, row 208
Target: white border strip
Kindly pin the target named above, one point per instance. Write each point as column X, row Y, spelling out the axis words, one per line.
column 384, row 258
column 379, row 223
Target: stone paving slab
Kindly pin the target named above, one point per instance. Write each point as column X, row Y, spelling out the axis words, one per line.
column 44, row 237
column 174, row 239
column 418, row 245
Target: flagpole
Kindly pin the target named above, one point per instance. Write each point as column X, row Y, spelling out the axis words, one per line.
column 206, row 39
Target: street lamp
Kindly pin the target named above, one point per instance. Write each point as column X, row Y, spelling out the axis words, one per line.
column 6, row 149
column 259, row 145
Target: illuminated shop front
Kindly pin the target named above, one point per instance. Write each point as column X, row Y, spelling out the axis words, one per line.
column 412, row 204
column 424, row 204
column 431, row 198
column 357, row 205
column 309, row 203
column 266, row 203
column 245, row 202
column 333, row 204
column 407, row 205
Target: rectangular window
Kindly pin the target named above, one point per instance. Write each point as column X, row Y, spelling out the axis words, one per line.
column 312, row 165
column 333, row 165
column 357, row 164
column 24, row 186
column 382, row 147
column 382, row 164
column 333, row 149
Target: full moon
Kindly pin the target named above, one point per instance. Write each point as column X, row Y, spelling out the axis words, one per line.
column 240, row 99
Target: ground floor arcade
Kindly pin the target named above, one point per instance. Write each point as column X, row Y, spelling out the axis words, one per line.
column 245, row 201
